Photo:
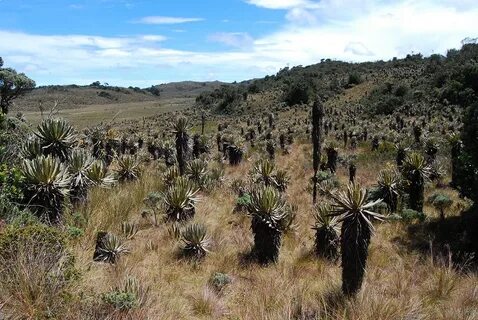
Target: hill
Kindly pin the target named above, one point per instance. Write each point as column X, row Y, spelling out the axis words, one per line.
column 187, row 89
column 96, row 103
column 74, row 97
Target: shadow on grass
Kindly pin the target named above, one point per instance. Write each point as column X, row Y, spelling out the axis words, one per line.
column 456, row 237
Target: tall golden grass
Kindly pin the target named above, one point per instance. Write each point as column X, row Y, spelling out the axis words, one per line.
column 400, row 283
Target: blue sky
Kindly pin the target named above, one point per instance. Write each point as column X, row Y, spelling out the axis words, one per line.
column 146, row 42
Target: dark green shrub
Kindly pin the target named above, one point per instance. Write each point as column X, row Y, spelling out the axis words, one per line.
column 401, row 90
column 11, row 192
column 387, row 105
column 354, row 78
column 410, row 215
column 298, row 93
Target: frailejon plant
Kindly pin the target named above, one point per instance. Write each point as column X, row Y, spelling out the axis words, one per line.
column 180, row 129
column 110, row 249
column 388, row 186
column 354, row 212
column 129, row 168
column 195, row 242
column 317, row 116
column 47, row 186
column 56, row 137
column 180, row 200
column 416, row 171
column 79, row 163
column 326, row 228
column 268, row 212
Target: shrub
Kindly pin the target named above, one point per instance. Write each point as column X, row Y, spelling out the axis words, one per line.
column 38, row 234
column 298, row 93
column 10, row 191
column 129, row 295
column 75, row 232
column 441, row 202
column 354, row 78
column 410, row 215
column 401, row 90
column 387, row 105
column 219, row 281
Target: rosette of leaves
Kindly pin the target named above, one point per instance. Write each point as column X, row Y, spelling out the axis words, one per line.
column 197, row 172
column 56, row 137
column 326, row 228
column 353, row 210
column 180, row 199
column 47, row 185
column 268, row 211
column 129, row 168
column 110, row 249
column 195, row 242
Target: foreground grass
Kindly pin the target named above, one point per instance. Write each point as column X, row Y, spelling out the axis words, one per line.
column 400, row 283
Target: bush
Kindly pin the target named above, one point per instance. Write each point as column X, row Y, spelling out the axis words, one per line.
column 298, row 93
column 129, row 295
column 354, row 78
column 121, row 300
column 10, row 191
column 74, row 232
column 244, row 200
column 36, row 234
column 387, row 105
column 410, row 215
column 401, row 91
column 219, row 281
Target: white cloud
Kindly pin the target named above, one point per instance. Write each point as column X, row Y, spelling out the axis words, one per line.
column 357, row 48
column 166, row 20
column 153, row 38
column 233, row 39
column 278, row 4
column 337, row 29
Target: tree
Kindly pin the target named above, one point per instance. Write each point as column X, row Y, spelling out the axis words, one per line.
column 12, row 85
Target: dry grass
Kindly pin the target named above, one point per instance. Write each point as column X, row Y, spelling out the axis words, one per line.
column 87, row 116
column 400, row 283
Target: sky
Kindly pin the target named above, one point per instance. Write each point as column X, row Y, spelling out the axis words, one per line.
column 148, row 42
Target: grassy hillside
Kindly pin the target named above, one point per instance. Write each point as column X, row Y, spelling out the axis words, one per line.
column 71, row 97
column 408, row 127
column 97, row 114
column 93, row 105
column 186, row 89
